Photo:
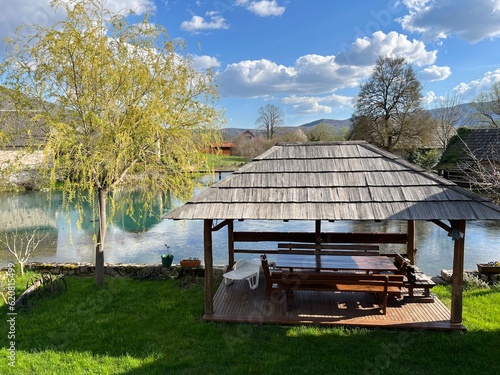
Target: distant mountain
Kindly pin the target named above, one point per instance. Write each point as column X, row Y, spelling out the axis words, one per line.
column 337, row 124
column 468, row 115
column 467, row 118
column 231, row 133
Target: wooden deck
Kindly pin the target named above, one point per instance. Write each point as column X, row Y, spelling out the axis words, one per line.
column 237, row 303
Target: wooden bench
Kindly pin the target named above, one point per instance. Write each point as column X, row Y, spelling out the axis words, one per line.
column 383, row 285
column 328, row 249
column 414, row 279
column 423, row 283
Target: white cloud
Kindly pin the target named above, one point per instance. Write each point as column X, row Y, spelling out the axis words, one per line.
column 438, row 19
column 306, row 105
column 26, row 12
column 310, row 75
column 40, row 12
column 262, row 8
column 316, row 104
column 470, row 91
column 205, row 62
column 255, row 78
column 435, row 73
column 429, row 98
column 365, row 51
column 323, row 74
column 198, row 23
column 138, row 6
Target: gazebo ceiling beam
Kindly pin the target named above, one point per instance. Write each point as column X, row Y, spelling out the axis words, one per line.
column 442, row 225
column 221, row 225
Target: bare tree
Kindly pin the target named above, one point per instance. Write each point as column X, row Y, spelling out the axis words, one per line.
column 483, row 175
column 481, row 166
column 22, row 244
column 388, row 110
column 322, row 132
column 22, row 232
column 447, row 113
column 253, row 147
column 270, row 118
column 487, row 107
column 292, row 136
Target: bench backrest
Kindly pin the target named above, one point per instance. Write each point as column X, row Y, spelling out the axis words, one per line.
column 271, row 278
column 401, row 263
column 328, row 249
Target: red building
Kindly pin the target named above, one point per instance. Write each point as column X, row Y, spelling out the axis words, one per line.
column 225, row 148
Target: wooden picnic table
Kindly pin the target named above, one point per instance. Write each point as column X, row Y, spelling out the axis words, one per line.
column 320, row 262
column 366, row 282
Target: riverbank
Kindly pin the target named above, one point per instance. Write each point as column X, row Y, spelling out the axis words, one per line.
column 135, row 271
column 155, row 327
column 472, row 278
column 21, row 166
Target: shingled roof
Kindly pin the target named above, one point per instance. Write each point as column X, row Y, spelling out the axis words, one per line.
column 335, row 181
column 484, row 144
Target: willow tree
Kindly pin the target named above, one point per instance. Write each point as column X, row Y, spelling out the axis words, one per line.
column 388, row 110
column 123, row 105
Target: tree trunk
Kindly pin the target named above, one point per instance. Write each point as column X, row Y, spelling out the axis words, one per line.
column 99, row 250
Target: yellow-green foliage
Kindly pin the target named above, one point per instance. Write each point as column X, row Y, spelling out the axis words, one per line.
column 116, row 97
column 122, row 105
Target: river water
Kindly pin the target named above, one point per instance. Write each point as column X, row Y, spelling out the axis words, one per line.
column 144, row 238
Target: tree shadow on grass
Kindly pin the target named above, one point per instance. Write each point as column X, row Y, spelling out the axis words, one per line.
column 156, row 326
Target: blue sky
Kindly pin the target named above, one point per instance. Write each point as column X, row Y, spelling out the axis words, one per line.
column 309, row 57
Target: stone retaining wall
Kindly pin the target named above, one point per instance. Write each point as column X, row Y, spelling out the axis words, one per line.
column 23, row 158
column 24, row 174
column 138, row 271
column 487, row 278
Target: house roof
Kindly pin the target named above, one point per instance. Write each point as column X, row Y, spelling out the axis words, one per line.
column 484, row 144
column 22, row 128
column 335, row 181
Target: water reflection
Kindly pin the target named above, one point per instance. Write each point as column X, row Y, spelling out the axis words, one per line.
column 142, row 238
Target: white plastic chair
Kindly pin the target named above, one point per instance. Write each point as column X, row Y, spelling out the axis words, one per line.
column 244, row 270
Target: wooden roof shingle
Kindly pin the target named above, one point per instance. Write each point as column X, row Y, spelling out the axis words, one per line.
column 335, row 181
column 484, row 144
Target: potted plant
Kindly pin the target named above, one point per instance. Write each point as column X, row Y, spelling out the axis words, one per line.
column 190, row 262
column 490, row 267
column 166, row 259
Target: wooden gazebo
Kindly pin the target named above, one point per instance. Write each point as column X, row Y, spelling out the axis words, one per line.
column 329, row 182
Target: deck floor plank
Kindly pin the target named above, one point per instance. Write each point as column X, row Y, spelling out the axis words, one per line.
column 237, row 303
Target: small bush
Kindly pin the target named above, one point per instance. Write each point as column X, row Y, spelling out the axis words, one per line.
column 472, row 282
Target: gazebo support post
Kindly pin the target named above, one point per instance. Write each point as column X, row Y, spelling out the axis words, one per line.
column 209, row 271
column 317, row 234
column 458, row 274
column 410, row 247
column 317, row 241
column 230, row 243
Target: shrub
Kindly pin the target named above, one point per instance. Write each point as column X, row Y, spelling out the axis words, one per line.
column 472, row 282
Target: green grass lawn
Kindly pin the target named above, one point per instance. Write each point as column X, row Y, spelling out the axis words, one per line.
column 226, row 163
column 155, row 327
